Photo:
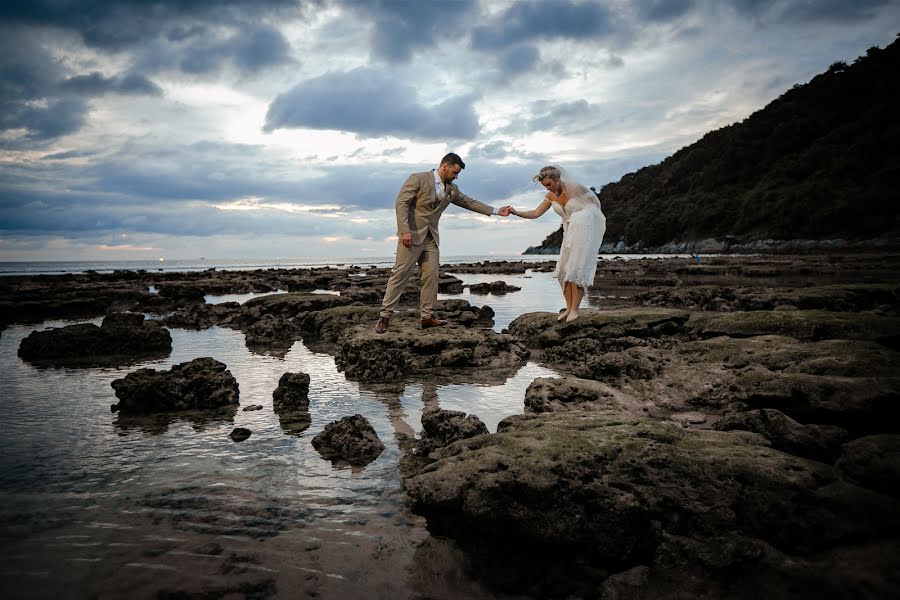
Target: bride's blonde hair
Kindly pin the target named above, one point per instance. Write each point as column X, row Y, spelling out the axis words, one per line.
column 549, row 171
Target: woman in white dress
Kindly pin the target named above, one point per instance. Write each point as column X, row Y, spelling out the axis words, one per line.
column 583, row 228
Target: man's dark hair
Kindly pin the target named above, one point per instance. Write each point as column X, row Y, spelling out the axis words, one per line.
column 453, row 159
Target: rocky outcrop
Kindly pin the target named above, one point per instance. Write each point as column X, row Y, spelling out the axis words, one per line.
column 619, row 492
column 443, row 427
column 495, row 287
column 352, row 441
column 809, row 325
column 406, row 348
column 271, row 333
column 289, row 305
column 843, row 298
column 541, row 330
column 290, row 400
column 201, row 384
column 817, row 442
column 120, row 339
column 546, row 394
column 203, row 316
column 873, row 461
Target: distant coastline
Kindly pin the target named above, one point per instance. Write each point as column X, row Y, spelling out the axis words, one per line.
column 27, row 268
column 728, row 246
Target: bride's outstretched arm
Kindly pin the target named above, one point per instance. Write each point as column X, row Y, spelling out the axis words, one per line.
column 533, row 214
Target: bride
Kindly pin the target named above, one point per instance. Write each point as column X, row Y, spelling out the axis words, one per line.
column 583, row 228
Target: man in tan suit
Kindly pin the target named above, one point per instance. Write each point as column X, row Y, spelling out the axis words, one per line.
column 422, row 199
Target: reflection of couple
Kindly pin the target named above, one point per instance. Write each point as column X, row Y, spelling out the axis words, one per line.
column 425, row 196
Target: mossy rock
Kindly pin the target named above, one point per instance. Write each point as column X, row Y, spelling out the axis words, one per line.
column 801, row 324
column 542, row 330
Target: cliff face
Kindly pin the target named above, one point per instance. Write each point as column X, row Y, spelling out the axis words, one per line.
column 821, row 162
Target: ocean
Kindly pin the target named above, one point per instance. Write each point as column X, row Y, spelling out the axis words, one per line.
column 246, row 264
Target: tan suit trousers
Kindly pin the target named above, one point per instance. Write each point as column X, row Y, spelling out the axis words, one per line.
column 427, row 256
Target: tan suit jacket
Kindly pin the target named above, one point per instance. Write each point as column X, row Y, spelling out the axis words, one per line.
column 419, row 210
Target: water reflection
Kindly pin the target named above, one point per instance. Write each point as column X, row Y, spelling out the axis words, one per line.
column 157, row 423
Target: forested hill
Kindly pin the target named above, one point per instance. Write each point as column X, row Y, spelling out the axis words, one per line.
column 820, row 162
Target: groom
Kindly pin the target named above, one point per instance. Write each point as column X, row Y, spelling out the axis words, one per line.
column 422, row 199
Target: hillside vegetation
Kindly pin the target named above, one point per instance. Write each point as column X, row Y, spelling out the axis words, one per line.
column 820, row 162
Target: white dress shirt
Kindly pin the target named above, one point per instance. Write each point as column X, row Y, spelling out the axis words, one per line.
column 440, row 190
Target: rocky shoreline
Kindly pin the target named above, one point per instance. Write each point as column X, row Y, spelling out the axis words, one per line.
column 723, row 427
column 729, row 245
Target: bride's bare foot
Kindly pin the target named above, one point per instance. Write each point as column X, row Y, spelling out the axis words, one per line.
column 562, row 316
column 572, row 316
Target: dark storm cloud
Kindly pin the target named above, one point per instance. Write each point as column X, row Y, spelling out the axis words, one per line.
column 45, row 100
column 124, row 23
column 836, row 11
column 44, row 122
column 37, row 99
column 545, row 20
column 370, row 102
column 27, row 69
column 519, row 59
column 401, row 27
column 807, row 11
column 96, row 84
column 207, row 34
column 249, row 50
column 659, row 11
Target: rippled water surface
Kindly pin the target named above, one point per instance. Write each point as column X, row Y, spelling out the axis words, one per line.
column 97, row 505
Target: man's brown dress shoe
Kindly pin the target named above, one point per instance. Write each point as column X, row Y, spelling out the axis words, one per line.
column 382, row 324
column 432, row 322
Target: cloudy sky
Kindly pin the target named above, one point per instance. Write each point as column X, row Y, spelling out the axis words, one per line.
column 284, row 128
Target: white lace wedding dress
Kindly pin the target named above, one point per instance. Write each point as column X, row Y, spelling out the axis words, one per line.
column 583, row 228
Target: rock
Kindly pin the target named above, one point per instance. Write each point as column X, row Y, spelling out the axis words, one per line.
column 541, row 330
column 860, row 405
column 841, row 297
column 239, row 434
column 328, row 324
column 406, row 348
column 121, row 338
column 290, row 401
column 611, row 491
column 448, row 284
column 288, row 306
column 546, row 394
column 807, row 325
column 495, row 287
column 443, row 427
column 627, row 584
column 292, row 393
column 687, row 419
column 777, row 353
column 203, row 316
column 203, row 383
column 182, row 292
column 252, row 407
column 820, row 443
column 634, row 363
column 874, row 462
column 352, row 440
column 271, row 332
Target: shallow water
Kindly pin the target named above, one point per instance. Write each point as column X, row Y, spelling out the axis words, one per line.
column 95, row 504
